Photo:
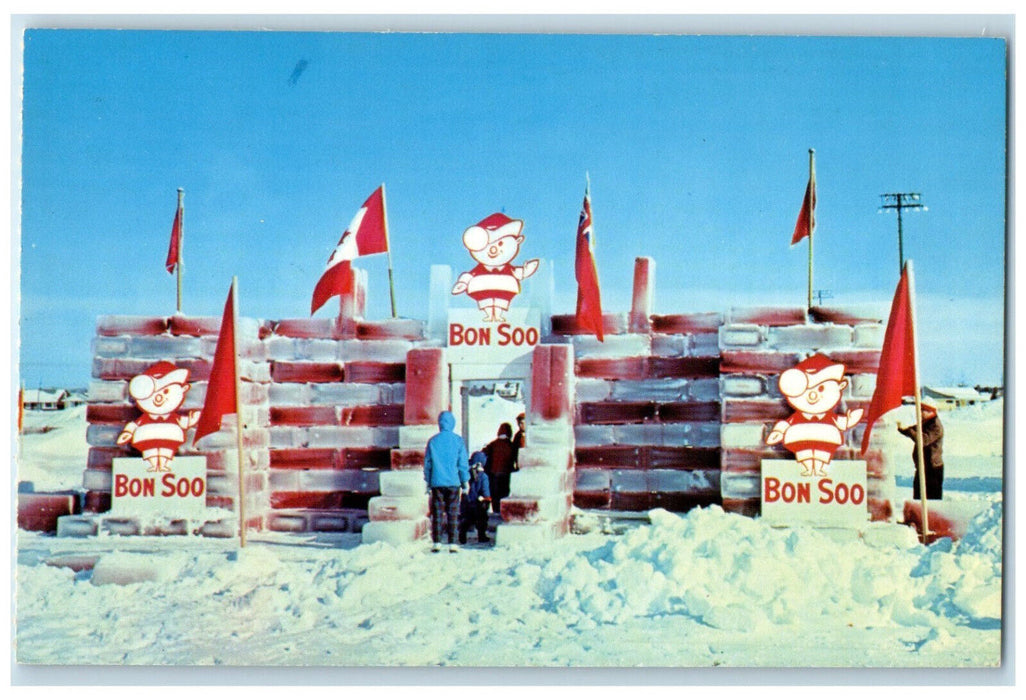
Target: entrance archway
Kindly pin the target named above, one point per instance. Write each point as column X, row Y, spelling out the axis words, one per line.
column 485, row 404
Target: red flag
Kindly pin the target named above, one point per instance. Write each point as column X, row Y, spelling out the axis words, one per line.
column 221, row 398
column 174, row 248
column 367, row 234
column 896, row 376
column 589, row 298
column 807, row 216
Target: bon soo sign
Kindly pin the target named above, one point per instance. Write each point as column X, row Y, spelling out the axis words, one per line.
column 838, row 499
column 470, row 339
column 137, row 491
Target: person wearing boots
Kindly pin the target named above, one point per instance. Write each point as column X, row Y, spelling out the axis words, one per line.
column 500, row 464
column 474, row 506
column 447, row 474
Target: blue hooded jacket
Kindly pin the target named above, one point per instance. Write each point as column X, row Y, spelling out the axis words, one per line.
column 479, row 487
column 445, row 458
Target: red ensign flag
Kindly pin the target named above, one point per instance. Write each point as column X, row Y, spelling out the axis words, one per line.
column 174, row 247
column 807, row 216
column 366, row 234
column 221, row 398
column 589, row 298
column 896, row 376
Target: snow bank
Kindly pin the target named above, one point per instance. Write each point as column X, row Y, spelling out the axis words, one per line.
column 963, row 581
column 53, row 451
column 709, row 587
column 734, row 573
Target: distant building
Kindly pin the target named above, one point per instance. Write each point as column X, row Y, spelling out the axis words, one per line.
column 75, row 398
column 995, row 392
column 45, row 400
column 954, row 397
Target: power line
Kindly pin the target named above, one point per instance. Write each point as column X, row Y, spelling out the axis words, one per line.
column 901, row 201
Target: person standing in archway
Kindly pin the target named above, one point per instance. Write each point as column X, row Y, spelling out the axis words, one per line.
column 519, row 440
column 500, row 456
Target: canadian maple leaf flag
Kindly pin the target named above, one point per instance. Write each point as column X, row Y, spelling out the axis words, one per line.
column 367, row 234
column 589, row 297
column 807, row 216
column 175, row 246
column 221, row 398
column 896, row 376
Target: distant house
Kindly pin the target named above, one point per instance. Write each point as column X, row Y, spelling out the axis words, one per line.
column 45, row 400
column 953, row 397
column 75, row 398
column 995, row 392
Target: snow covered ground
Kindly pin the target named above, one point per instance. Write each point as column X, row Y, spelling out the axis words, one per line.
column 699, row 590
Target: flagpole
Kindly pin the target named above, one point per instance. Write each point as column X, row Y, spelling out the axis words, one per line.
column 388, row 245
column 238, row 412
column 921, row 467
column 181, row 245
column 811, row 215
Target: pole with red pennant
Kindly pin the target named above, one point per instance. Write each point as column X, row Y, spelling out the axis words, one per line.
column 589, row 298
column 224, row 390
column 898, row 375
column 174, row 263
column 806, row 224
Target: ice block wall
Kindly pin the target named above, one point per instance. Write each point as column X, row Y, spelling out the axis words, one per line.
column 323, row 403
column 670, row 411
column 756, row 345
column 125, row 346
column 647, row 406
column 541, row 491
column 336, row 406
column 400, row 513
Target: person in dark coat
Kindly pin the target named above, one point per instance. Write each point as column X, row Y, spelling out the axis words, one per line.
column 519, row 440
column 933, row 441
column 500, row 464
column 474, row 506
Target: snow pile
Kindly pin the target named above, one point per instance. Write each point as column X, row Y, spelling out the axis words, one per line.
column 734, row 573
column 698, row 590
column 709, row 587
column 53, row 449
column 963, row 581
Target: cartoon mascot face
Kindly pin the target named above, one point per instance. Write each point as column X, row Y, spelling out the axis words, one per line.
column 159, row 392
column 813, row 388
column 493, row 243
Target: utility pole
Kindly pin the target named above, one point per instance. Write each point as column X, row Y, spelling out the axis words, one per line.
column 901, row 201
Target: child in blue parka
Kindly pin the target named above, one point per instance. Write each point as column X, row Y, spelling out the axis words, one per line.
column 474, row 506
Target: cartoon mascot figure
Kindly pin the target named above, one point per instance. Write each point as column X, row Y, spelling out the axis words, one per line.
column 814, row 432
column 160, row 431
column 493, row 243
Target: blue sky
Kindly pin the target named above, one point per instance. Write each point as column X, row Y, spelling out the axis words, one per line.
column 696, row 147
